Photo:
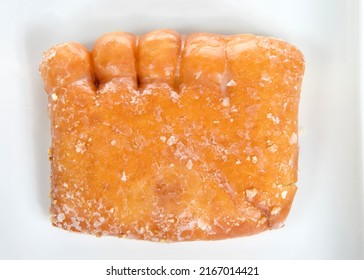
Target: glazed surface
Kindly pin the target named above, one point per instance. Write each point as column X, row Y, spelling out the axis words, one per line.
column 166, row 137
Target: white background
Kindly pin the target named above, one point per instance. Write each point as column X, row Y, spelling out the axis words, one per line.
column 326, row 221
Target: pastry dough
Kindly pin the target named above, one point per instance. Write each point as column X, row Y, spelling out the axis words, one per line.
column 171, row 138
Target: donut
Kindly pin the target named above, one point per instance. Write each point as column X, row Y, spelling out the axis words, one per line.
column 166, row 137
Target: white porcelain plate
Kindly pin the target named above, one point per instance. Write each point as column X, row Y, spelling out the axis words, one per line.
column 326, row 221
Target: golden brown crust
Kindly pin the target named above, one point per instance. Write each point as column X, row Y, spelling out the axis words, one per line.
column 203, row 147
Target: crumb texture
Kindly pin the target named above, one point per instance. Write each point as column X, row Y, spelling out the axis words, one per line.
column 166, row 137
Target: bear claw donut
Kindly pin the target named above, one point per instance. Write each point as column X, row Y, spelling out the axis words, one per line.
column 166, row 137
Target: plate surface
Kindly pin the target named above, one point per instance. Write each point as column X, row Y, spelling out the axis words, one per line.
column 326, row 221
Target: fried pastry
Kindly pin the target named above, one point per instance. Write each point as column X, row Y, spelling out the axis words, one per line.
column 166, row 137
